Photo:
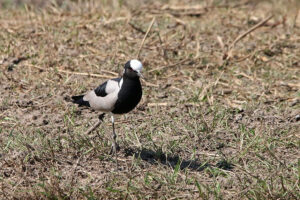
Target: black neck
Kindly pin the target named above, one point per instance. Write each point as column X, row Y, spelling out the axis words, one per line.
column 125, row 77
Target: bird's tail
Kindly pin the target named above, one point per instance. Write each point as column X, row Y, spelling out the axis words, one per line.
column 79, row 100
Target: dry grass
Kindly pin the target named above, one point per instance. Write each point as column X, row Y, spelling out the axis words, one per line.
column 210, row 125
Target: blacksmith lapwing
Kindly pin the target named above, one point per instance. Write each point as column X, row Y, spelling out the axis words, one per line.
column 115, row 96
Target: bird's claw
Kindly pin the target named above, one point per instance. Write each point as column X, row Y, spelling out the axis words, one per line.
column 114, row 149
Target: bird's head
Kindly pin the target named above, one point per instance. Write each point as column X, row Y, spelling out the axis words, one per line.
column 133, row 69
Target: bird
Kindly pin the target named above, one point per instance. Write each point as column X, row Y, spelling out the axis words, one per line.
column 115, row 96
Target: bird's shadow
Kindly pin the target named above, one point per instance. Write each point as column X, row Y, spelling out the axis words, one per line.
column 155, row 157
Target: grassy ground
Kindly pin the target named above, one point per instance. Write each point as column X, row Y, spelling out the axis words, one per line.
column 208, row 126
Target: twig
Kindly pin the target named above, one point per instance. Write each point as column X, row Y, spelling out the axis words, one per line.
column 110, row 21
column 79, row 73
column 76, row 73
column 161, row 43
column 227, row 55
column 95, row 125
column 34, row 66
column 137, row 28
column 292, row 85
column 93, row 128
column 109, row 72
column 178, row 11
column 220, row 41
column 74, row 169
column 295, row 19
column 85, row 74
column 149, row 84
column 102, row 76
column 158, row 104
column 179, row 21
column 142, row 44
column 91, row 75
column 249, row 31
column 180, row 8
column 188, row 13
column 169, row 104
column 217, row 81
column 171, row 65
column 197, row 50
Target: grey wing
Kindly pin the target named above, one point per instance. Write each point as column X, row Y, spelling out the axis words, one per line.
column 104, row 96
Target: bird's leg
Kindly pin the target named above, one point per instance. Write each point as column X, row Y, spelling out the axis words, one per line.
column 114, row 145
column 114, row 137
column 96, row 125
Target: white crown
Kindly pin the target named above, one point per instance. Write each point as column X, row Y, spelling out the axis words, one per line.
column 136, row 65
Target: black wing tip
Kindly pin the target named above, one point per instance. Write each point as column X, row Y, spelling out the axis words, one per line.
column 79, row 100
column 76, row 98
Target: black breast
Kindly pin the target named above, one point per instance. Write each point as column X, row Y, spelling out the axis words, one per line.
column 129, row 96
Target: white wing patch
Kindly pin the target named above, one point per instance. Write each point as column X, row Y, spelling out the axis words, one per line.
column 121, row 83
column 111, row 86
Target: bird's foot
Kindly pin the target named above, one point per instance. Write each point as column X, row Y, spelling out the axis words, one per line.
column 114, row 149
column 101, row 116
